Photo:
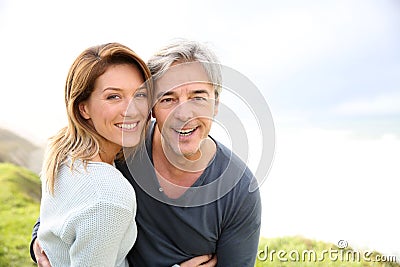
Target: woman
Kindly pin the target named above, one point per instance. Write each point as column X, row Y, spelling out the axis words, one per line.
column 88, row 208
column 87, row 213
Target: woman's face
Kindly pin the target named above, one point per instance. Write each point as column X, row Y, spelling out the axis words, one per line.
column 118, row 107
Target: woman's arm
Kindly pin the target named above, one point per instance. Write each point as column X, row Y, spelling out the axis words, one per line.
column 101, row 235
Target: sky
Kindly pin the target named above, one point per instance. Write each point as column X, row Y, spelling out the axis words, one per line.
column 329, row 71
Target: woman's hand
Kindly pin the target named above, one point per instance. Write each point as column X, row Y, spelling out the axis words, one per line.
column 202, row 261
column 41, row 258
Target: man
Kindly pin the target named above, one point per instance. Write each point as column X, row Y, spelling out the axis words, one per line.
column 193, row 193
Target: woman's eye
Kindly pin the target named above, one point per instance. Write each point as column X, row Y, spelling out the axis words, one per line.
column 141, row 95
column 111, row 97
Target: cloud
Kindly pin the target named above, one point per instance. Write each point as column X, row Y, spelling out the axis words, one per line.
column 333, row 174
column 287, row 37
column 388, row 104
column 302, row 56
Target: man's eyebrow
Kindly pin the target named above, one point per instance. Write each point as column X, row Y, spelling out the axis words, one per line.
column 200, row 91
column 163, row 93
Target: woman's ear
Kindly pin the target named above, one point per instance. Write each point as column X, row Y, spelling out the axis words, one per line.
column 83, row 110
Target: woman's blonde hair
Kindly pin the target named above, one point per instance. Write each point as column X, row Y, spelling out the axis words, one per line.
column 79, row 139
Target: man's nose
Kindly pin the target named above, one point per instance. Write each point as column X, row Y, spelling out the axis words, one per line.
column 184, row 111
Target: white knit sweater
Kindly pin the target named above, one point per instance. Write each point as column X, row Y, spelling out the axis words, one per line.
column 90, row 220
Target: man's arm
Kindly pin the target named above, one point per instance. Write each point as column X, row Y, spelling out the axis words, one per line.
column 34, row 236
column 238, row 243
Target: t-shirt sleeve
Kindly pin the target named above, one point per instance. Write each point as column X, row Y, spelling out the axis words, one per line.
column 34, row 236
column 240, row 236
column 96, row 233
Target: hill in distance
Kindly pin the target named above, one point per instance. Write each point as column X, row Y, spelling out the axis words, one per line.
column 19, row 151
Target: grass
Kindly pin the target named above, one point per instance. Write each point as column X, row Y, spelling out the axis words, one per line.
column 19, row 198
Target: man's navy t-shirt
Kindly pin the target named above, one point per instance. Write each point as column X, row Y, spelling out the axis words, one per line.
column 223, row 217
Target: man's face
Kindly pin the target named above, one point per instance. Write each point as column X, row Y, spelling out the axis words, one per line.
column 184, row 109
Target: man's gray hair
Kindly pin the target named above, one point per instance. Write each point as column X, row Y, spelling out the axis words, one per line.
column 185, row 51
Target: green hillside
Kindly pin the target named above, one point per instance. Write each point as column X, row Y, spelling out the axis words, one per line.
column 19, row 201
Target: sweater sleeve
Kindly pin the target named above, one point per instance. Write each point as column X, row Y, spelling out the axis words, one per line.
column 96, row 234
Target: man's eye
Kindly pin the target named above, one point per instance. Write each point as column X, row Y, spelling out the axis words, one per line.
column 166, row 100
column 199, row 98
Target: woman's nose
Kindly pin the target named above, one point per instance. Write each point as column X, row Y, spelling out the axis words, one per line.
column 131, row 108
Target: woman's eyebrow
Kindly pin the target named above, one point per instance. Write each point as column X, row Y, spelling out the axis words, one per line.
column 111, row 89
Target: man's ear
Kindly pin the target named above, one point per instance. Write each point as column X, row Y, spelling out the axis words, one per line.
column 84, row 110
column 216, row 106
